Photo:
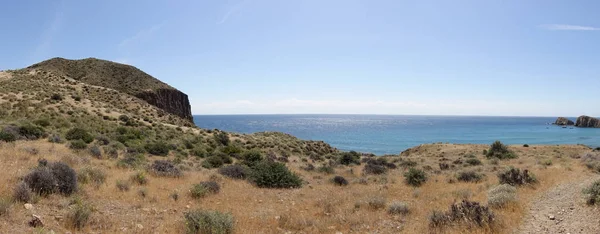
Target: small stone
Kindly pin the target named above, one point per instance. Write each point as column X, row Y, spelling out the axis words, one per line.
column 277, row 217
column 36, row 222
column 139, row 226
column 28, row 206
column 187, row 207
column 551, row 217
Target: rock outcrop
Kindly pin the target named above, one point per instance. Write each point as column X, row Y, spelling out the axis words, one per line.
column 123, row 78
column 587, row 122
column 563, row 121
column 172, row 101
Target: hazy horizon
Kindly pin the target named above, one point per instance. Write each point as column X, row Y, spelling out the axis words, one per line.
column 466, row 58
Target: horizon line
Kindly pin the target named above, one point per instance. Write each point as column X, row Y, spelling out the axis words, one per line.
column 520, row 116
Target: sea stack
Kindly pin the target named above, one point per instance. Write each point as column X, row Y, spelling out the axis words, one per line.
column 587, row 122
column 562, row 121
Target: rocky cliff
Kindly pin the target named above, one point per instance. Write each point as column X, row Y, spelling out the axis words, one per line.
column 172, row 101
column 563, row 121
column 124, row 78
column 587, row 122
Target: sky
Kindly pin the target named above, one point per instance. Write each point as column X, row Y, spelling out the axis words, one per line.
column 460, row 57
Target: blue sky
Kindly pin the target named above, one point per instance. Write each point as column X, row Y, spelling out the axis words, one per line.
column 490, row 57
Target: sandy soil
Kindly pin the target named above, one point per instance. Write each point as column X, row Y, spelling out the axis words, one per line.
column 563, row 210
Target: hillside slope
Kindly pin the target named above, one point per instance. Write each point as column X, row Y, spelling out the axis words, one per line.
column 121, row 77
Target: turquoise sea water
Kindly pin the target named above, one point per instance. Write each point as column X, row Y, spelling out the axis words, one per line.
column 387, row 134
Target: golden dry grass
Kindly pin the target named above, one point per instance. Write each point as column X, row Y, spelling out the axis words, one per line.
column 318, row 207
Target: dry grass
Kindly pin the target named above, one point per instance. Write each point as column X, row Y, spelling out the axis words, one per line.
column 319, row 207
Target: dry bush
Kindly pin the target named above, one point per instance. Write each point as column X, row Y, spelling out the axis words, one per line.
column 235, row 171
column 165, row 168
column 398, row 208
column 593, row 193
column 467, row 213
column 340, row 181
column 22, row 193
column 376, row 203
column 79, row 216
column 516, row 177
column 502, row 195
column 469, row 176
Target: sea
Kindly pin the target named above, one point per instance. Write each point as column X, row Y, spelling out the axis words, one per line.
column 392, row 134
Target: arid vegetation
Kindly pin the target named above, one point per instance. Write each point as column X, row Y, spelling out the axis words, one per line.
column 78, row 157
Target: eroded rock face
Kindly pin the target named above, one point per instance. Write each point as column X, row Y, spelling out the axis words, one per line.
column 563, row 121
column 587, row 122
column 170, row 100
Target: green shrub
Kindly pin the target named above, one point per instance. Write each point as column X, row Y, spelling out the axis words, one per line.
column 31, row 132
column 56, row 97
column 502, row 195
column 500, row 151
column 139, row 178
column 326, row 169
column 208, row 222
column 516, row 177
column 469, row 176
column 348, row 158
column 79, row 134
column 374, row 169
column 158, row 148
column 42, row 122
column 203, row 189
column 415, row 177
column 252, row 157
column 79, row 216
column 593, row 193
column 132, row 161
column 222, row 138
column 91, row 175
column 231, row 150
column 274, row 175
column 7, row 136
column 5, row 204
column 199, row 152
column 78, row 145
column 473, row 162
column 212, row 162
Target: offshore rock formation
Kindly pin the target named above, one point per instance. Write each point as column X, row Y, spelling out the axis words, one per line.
column 587, row 122
column 563, row 121
column 123, row 78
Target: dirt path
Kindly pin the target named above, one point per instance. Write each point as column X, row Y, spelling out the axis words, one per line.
column 562, row 210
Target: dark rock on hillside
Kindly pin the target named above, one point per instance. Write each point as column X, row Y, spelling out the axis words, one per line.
column 587, row 122
column 563, row 121
column 123, row 78
column 170, row 100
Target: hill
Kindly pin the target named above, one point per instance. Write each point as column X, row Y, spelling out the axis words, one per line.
column 121, row 77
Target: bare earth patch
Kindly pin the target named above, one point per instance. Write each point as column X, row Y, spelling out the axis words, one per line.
column 5, row 75
column 563, row 210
